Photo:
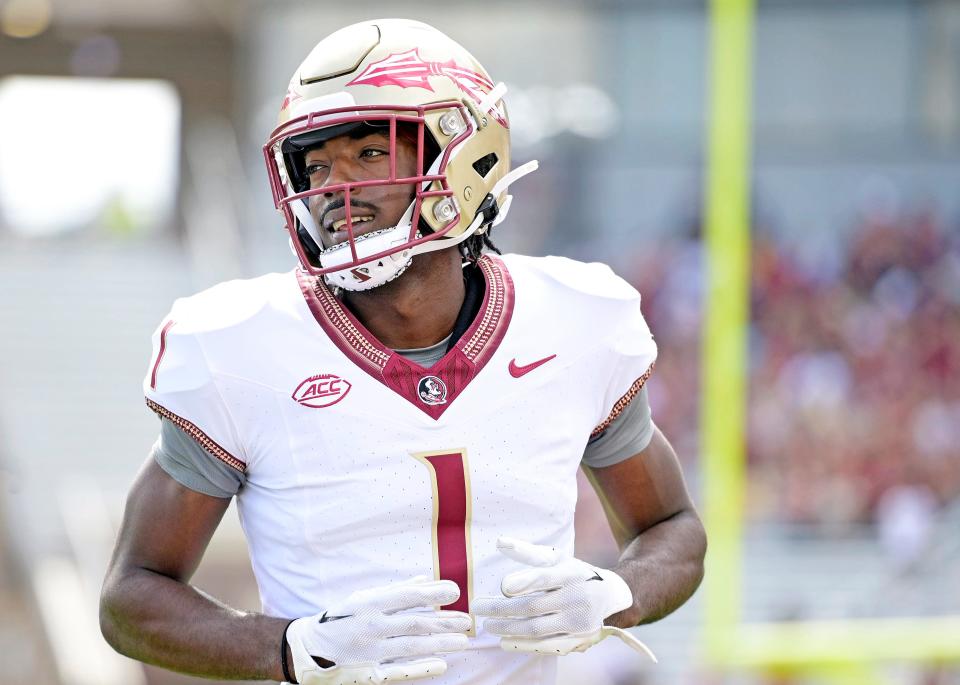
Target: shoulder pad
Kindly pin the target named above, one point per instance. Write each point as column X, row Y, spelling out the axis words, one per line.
column 180, row 387
column 593, row 279
column 228, row 304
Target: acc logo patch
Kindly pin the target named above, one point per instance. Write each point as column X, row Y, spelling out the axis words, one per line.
column 432, row 390
column 321, row 391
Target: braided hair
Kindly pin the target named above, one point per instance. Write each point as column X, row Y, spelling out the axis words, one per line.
column 473, row 247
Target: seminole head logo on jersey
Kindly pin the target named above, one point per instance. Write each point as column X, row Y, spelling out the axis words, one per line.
column 432, row 390
column 409, row 70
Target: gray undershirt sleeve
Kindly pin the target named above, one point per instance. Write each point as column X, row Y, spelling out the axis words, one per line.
column 192, row 466
column 627, row 435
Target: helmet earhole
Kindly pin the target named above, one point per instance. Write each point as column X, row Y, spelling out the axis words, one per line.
column 483, row 165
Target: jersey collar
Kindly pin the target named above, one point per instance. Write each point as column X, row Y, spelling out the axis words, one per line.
column 431, row 390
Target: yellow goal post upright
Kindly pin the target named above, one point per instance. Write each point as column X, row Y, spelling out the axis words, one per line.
column 843, row 651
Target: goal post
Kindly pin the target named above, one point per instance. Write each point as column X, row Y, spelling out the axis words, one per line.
column 841, row 652
column 726, row 308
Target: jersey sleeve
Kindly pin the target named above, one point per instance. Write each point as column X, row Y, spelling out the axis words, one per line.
column 181, row 388
column 186, row 462
column 631, row 353
column 627, row 435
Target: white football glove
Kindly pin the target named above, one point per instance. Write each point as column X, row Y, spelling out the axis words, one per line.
column 556, row 607
column 369, row 641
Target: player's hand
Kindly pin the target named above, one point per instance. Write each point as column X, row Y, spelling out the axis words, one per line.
column 370, row 640
column 556, row 606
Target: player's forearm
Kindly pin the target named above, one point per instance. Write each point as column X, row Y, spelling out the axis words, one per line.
column 160, row 621
column 663, row 567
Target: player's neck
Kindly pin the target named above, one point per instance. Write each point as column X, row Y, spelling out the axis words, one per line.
column 418, row 309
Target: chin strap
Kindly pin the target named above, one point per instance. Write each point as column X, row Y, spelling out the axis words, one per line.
column 303, row 215
column 501, row 185
column 477, row 223
column 514, row 175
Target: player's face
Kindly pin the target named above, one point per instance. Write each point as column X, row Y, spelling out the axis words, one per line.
column 344, row 160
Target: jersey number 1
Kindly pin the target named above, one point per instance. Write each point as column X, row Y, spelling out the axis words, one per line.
column 452, row 559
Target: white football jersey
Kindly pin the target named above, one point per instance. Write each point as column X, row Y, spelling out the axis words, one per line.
column 363, row 468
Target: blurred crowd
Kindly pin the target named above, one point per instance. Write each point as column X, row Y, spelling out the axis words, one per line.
column 854, row 408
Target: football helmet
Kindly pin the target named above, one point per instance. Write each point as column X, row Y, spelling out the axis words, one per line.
column 402, row 78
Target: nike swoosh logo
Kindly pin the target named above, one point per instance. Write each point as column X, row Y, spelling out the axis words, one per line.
column 595, row 576
column 325, row 618
column 517, row 371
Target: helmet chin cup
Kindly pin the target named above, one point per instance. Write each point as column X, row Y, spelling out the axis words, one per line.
column 379, row 271
column 374, row 273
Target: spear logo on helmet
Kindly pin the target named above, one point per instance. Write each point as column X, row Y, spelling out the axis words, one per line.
column 409, row 70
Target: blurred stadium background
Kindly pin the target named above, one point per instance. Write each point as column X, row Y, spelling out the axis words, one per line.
column 131, row 173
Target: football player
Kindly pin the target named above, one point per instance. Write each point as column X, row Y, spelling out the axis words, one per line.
column 402, row 417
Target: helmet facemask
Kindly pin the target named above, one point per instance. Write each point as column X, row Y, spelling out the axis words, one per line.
column 365, row 261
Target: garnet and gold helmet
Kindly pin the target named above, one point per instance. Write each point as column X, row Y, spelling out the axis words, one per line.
column 395, row 75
